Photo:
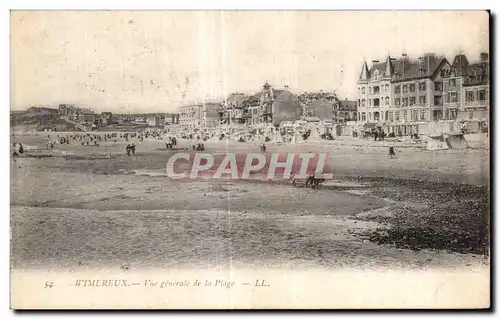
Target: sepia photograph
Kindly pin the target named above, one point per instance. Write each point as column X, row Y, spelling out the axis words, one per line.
column 231, row 159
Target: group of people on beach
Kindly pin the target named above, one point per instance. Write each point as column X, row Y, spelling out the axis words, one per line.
column 18, row 151
column 199, row 147
column 130, row 149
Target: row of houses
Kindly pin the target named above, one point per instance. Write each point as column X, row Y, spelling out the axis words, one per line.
column 87, row 117
column 76, row 114
column 404, row 95
column 267, row 108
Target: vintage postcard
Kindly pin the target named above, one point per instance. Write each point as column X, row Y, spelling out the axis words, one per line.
column 250, row 159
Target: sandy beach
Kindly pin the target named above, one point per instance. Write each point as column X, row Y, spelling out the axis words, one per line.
column 79, row 209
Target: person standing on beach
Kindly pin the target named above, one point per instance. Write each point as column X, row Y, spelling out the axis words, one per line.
column 128, row 150
column 132, row 148
column 392, row 153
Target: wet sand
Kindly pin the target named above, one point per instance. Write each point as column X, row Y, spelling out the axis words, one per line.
column 90, row 211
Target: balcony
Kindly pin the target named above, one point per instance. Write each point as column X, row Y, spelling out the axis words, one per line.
column 437, row 107
column 476, row 104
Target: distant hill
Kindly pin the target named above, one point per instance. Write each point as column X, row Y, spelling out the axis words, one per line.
column 42, row 111
column 40, row 118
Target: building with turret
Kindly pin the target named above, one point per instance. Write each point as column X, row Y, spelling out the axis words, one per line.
column 401, row 95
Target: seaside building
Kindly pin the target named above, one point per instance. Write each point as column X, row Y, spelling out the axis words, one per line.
column 190, row 116
column 345, row 111
column 307, row 99
column 210, row 115
column 401, row 95
column 285, row 107
column 235, row 110
column 475, row 89
column 203, row 115
column 106, row 118
column 407, row 96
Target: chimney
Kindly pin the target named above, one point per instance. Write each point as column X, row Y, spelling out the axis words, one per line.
column 485, row 57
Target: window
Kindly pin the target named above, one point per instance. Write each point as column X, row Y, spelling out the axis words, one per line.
column 453, row 84
column 386, row 100
column 370, row 90
column 469, row 95
column 363, row 90
column 438, row 115
column 421, row 100
column 453, row 97
column 452, row 114
column 370, row 116
column 405, row 88
column 438, row 86
column 376, row 102
column 363, row 116
column 422, row 115
column 369, row 102
column 359, row 103
column 387, row 88
column 412, row 87
column 397, row 116
column 398, row 102
column 405, row 115
column 421, row 86
column 438, row 100
column 397, row 89
column 391, row 116
column 482, row 95
column 414, row 115
column 412, row 100
column 405, row 101
column 363, row 103
column 376, row 90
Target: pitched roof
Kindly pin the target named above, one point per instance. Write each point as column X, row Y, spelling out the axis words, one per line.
column 477, row 74
column 365, row 74
column 406, row 69
column 460, row 64
column 378, row 66
column 285, row 96
column 255, row 96
column 237, row 98
column 349, row 105
column 276, row 93
column 321, row 103
column 389, row 68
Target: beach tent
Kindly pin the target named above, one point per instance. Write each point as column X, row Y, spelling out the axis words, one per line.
column 296, row 138
column 437, row 142
column 277, row 137
column 314, row 136
column 457, row 140
column 261, row 138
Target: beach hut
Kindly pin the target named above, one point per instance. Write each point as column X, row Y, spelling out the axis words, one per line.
column 457, row 140
column 437, row 142
column 277, row 137
column 296, row 138
column 314, row 136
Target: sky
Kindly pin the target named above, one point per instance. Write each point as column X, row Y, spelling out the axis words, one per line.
column 156, row 61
